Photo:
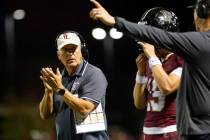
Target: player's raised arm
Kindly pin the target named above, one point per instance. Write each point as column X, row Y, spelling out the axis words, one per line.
column 100, row 13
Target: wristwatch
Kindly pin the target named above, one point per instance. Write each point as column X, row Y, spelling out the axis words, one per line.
column 61, row 91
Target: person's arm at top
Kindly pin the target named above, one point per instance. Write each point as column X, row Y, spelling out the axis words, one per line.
column 167, row 83
column 184, row 44
column 82, row 106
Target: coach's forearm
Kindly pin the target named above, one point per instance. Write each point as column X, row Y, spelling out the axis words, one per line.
column 46, row 105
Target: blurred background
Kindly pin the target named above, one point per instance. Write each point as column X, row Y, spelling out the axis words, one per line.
column 28, row 30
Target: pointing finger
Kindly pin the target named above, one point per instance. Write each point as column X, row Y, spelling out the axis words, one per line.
column 97, row 4
column 141, row 43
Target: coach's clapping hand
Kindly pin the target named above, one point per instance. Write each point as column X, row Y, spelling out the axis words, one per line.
column 51, row 80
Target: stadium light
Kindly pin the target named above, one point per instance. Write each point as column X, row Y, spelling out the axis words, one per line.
column 115, row 34
column 98, row 33
column 19, row 14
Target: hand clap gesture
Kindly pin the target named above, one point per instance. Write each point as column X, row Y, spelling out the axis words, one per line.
column 51, row 80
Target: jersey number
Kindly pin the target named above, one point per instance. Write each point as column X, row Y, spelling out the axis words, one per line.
column 156, row 100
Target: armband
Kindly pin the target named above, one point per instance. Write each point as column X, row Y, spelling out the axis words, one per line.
column 141, row 79
column 154, row 61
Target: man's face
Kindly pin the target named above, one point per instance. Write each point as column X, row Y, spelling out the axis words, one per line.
column 70, row 55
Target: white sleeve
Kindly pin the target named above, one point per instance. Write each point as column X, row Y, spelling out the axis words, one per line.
column 177, row 71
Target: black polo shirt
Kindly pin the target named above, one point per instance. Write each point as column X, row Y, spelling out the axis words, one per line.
column 92, row 87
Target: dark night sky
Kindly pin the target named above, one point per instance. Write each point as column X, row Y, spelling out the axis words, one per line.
column 35, row 48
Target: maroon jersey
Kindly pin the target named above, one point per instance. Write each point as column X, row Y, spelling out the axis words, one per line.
column 161, row 109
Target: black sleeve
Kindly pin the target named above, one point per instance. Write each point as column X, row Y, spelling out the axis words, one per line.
column 187, row 45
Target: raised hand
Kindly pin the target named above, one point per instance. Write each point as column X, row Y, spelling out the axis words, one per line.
column 51, row 79
column 46, row 85
column 141, row 62
column 100, row 13
column 149, row 50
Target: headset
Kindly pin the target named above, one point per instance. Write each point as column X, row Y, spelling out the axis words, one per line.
column 202, row 8
column 84, row 50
